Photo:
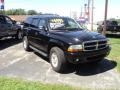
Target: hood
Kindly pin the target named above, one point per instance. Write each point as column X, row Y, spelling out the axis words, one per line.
column 79, row 36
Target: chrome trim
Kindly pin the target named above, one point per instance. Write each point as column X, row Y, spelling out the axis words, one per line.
column 96, row 46
column 40, row 52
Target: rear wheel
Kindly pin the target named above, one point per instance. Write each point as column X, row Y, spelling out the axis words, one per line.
column 57, row 59
column 26, row 43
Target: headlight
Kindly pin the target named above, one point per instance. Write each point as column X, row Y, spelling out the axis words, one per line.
column 75, row 48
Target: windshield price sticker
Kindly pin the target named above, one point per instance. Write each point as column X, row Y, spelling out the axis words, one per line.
column 57, row 20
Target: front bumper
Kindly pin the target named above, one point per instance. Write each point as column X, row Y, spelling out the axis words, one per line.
column 89, row 56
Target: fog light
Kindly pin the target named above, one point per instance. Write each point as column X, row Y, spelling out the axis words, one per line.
column 77, row 60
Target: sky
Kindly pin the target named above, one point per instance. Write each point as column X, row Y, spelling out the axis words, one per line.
column 64, row 7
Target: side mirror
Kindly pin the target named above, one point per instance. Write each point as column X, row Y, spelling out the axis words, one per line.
column 14, row 22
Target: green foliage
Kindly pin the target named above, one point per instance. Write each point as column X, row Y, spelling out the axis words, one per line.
column 2, row 12
column 19, row 12
column 15, row 12
column 118, row 20
column 32, row 12
column 14, row 84
column 115, row 52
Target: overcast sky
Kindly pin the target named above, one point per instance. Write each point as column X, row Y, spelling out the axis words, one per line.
column 63, row 7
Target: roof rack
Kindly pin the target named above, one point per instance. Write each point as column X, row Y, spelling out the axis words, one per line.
column 49, row 14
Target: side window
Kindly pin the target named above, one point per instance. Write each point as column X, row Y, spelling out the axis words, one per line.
column 42, row 22
column 2, row 20
column 8, row 20
column 35, row 22
column 28, row 22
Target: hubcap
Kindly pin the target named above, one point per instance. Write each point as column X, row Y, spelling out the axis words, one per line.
column 54, row 60
column 25, row 43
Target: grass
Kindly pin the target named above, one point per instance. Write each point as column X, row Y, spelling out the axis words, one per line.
column 115, row 52
column 15, row 84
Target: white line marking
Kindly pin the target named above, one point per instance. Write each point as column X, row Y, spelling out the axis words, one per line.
column 16, row 60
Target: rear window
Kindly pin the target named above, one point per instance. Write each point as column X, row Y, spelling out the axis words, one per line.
column 27, row 22
column 112, row 23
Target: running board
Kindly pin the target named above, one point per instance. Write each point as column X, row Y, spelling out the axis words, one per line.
column 40, row 52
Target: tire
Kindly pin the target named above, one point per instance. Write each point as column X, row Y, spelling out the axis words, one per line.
column 57, row 59
column 19, row 35
column 26, row 44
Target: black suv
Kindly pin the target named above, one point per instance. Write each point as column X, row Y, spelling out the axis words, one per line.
column 8, row 27
column 63, row 41
column 112, row 27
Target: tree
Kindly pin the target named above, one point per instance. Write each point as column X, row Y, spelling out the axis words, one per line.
column 32, row 12
column 16, row 12
column 2, row 12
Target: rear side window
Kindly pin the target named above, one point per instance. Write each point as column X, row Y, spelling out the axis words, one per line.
column 35, row 22
column 27, row 22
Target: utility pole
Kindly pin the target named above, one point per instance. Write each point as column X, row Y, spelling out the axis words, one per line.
column 2, row 6
column 88, row 10
column 92, row 13
column 85, row 10
column 105, row 18
column 81, row 13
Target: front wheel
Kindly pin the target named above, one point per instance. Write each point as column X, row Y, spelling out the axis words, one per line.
column 57, row 59
column 26, row 43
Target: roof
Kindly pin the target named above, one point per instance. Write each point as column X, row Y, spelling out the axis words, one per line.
column 45, row 16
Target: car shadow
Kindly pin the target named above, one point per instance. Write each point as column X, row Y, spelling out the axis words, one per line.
column 86, row 69
column 5, row 43
column 93, row 69
column 44, row 58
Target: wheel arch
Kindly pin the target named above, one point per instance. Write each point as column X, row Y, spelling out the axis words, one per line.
column 55, row 43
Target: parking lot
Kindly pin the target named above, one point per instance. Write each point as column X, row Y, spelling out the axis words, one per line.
column 15, row 62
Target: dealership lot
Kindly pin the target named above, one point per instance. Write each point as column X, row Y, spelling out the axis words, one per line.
column 15, row 62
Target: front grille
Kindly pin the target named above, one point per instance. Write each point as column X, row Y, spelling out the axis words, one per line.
column 94, row 45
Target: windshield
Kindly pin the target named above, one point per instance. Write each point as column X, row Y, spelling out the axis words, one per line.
column 109, row 23
column 63, row 24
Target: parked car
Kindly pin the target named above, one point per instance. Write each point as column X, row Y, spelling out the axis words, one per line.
column 8, row 27
column 112, row 27
column 63, row 41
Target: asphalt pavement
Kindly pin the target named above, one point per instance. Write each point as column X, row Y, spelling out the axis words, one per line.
column 16, row 62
